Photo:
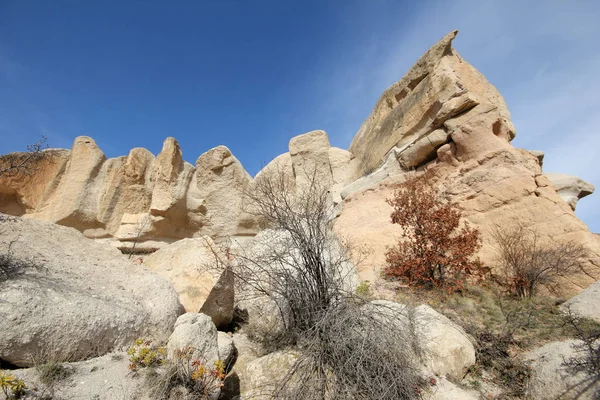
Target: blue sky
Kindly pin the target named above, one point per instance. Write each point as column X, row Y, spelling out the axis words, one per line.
column 253, row 74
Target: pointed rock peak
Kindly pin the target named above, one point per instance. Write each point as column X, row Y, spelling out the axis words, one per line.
column 171, row 145
column 84, row 142
column 171, row 152
column 216, row 158
column 85, row 146
column 314, row 141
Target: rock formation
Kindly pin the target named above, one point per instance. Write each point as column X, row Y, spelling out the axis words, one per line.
column 75, row 298
column 443, row 115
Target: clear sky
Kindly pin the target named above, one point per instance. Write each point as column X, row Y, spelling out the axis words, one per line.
column 251, row 74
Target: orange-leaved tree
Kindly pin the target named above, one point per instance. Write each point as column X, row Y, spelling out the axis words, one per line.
column 434, row 251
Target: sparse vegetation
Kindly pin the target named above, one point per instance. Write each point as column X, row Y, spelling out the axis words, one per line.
column 12, row 266
column 348, row 350
column 190, row 374
column 587, row 358
column 23, row 163
column 142, row 355
column 528, row 262
column 52, row 372
column 434, row 250
column 12, row 387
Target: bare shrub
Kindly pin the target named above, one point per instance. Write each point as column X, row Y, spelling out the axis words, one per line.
column 587, row 358
column 528, row 262
column 303, row 270
column 23, row 163
column 12, row 266
column 434, row 250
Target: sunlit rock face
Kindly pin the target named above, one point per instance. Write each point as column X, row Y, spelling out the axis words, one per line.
column 443, row 116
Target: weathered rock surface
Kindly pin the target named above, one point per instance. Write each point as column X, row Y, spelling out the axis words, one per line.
column 260, row 377
column 198, row 332
column 189, row 264
column 551, row 379
column 444, row 348
column 446, row 390
column 140, row 200
column 586, row 303
column 442, row 96
column 570, row 188
column 84, row 299
column 220, row 301
column 227, row 350
column 102, row 378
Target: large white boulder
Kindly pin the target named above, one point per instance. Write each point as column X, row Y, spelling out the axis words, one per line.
column 444, row 349
column 198, row 332
column 551, row 379
column 84, row 299
column 585, row 304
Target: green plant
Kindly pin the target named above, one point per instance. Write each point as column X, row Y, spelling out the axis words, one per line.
column 364, row 289
column 12, row 387
column 142, row 355
column 52, row 372
column 433, row 251
column 186, row 370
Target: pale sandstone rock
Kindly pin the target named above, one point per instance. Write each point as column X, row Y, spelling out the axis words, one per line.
column 26, row 193
column 586, row 303
column 261, row 376
column 227, row 350
column 221, row 181
column 497, row 189
column 423, row 149
column 446, row 390
column 102, row 378
column 570, row 188
column 189, row 264
column 539, row 155
column 440, row 90
column 444, row 348
column 196, row 331
column 75, row 201
column 552, row 380
column 310, row 159
column 85, row 299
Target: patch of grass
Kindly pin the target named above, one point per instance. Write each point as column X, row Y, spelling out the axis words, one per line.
column 53, row 372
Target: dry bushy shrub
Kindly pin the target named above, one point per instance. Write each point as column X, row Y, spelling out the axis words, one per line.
column 528, row 262
column 434, row 250
column 11, row 266
column 304, row 270
column 19, row 163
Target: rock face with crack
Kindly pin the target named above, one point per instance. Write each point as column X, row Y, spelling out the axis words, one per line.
column 76, row 298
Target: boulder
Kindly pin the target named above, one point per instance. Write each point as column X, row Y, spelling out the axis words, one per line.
column 196, row 331
column 261, row 376
column 310, row 159
column 227, row 350
column 446, row 390
column 552, row 379
column 585, row 304
column 221, row 180
column 570, row 188
column 78, row 298
column 219, row 303
column 444, row 349
column 190, row 266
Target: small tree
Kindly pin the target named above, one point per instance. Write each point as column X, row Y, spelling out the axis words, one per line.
column 19, row 163
column 433, row 250
column 527, row 262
